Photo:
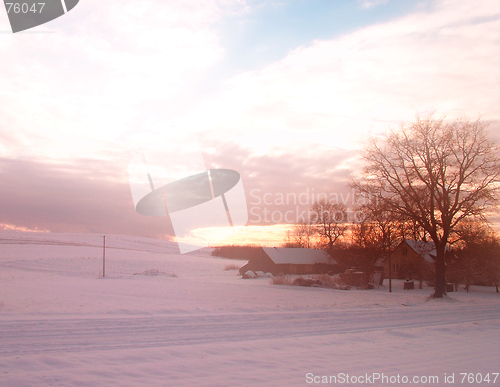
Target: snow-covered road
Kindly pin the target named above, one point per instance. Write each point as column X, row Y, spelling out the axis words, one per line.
column 59, row 335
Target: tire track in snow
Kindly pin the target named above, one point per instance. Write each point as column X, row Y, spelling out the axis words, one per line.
column 97, row 333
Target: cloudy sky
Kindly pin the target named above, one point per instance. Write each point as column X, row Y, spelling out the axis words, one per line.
column 284, row 92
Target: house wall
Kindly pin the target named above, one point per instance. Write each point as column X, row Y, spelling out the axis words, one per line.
column 402, row 252
column 317, row 268
column 260, row 262
column 268, row 266
column 301, row 269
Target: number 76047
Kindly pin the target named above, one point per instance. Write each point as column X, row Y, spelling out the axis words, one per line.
column 24, row 7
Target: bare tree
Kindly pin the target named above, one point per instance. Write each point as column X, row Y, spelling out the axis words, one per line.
column 330, row 221
column 380, row 226
column 477, row 259
column 436, row 174
column 301, row 235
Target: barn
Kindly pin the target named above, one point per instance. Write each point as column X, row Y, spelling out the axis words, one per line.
column 283, row 260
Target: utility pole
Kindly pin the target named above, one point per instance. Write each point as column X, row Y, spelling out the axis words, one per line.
column 104, row 257
column 390, row 273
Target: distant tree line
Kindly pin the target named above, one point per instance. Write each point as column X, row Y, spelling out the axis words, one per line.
column 236, row 251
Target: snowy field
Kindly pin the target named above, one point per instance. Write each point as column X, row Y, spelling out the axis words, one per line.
column 164, row 319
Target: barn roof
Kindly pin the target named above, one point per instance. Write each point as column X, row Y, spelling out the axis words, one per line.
column 298, row 256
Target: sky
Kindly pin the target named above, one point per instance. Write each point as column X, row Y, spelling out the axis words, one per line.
column 283, row 92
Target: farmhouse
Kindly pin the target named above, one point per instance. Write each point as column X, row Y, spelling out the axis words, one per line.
column 281, row 260
column 410, row 255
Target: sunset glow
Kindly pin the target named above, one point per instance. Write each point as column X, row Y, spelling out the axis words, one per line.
column 285, row 94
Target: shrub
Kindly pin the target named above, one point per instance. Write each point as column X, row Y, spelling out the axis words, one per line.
column 353, row 278
column 299, row 281
column 326, row 280
column 281, row 280
column 320, row 281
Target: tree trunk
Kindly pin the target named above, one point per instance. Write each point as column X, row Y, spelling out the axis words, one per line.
column 440, row 290
column 496, row 286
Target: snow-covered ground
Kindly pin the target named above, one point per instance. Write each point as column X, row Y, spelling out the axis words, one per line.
column 164, row 319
